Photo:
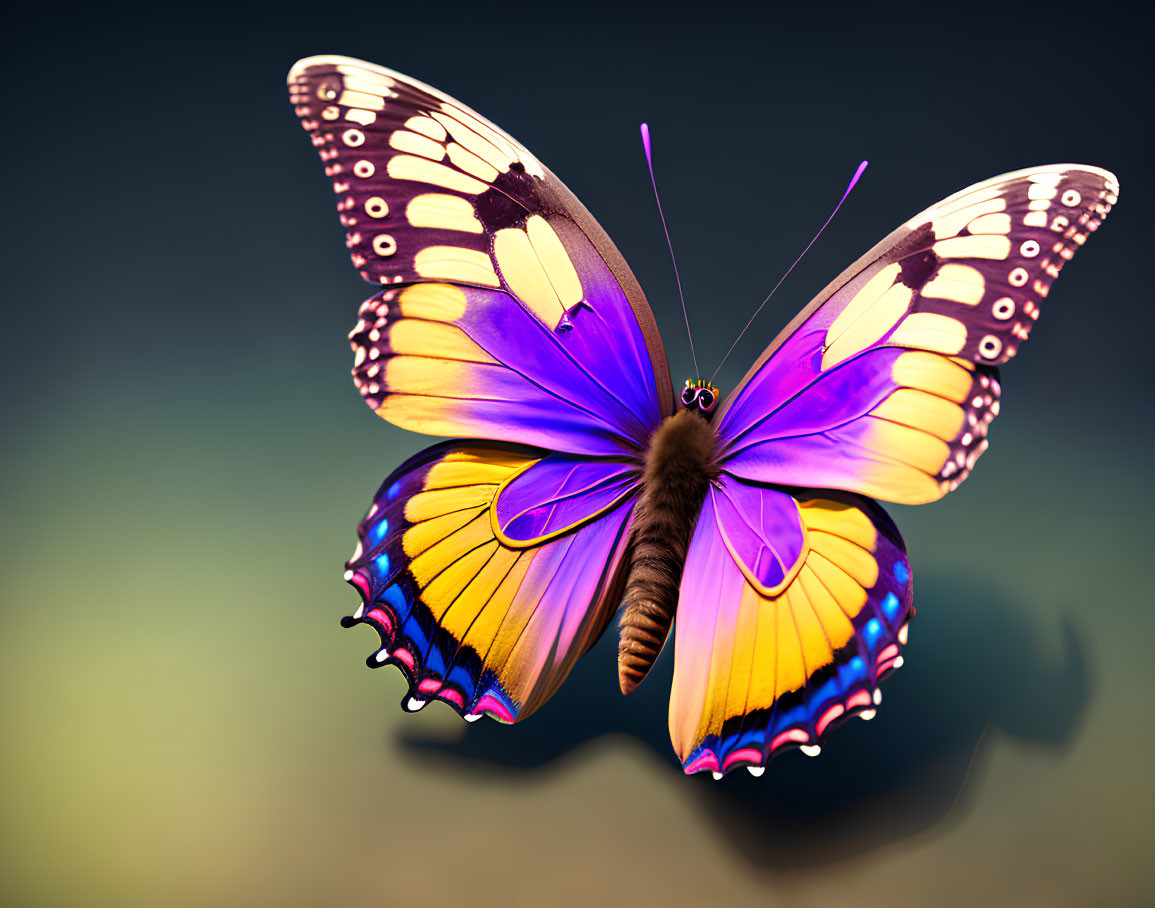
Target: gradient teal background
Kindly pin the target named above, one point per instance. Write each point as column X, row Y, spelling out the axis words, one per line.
column 185, row 458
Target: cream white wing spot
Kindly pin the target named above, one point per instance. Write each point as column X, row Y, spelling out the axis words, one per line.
column 467, row 161
column 1071, row 198
column 364, row 169
column 930, row 331
column 455, row 263
column 869, row 327
column 354, row 138
column 445, row 212
column 497, row 158
column 363, row 117
column 959, row 283
column 559, row 268
column 981, row 246
column 538, row 270
column 427, row 126
column 990, row 223
column 415, row 143
column 364, row 100
column 330, row 113
column 1018, row 277
column 422, row 170
column 1029, row 249
column 526, row 277
column 376, row 207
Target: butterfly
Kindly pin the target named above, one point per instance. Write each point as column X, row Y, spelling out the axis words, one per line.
column 581, row 480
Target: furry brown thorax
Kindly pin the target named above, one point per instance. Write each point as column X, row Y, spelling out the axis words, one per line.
column 680, row 463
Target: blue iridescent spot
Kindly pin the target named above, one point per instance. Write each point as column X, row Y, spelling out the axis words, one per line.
column 852, row 672
column 381, row 562
column 378, row 532
column 890, row 606
column 901, row 572
column 872, row 632
column 394, row 491
column 396, row 598
column 826, row 692
column 435, row 660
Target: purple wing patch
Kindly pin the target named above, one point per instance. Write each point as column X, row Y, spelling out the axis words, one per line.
column 448, row 360
column 558, row 494
column 762, row 531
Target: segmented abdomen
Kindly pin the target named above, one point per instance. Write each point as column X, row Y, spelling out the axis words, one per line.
column 679, row 467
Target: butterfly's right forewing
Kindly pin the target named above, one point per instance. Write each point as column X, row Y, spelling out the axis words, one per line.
column 886, row 384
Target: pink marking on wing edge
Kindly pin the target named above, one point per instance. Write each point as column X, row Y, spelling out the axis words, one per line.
column 429, row 685
column 750, row 754
column 862, row 698
column 361, row 583
column 494, row 707
column 889, row 653
column 791, row 734
column 708, row 760
column 883, row 669
column 452, row 696
column 382, row 618
column 405, row 656
column 829, row 716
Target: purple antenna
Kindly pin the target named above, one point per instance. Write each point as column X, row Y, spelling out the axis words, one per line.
column 650, row 163
column 854, row 179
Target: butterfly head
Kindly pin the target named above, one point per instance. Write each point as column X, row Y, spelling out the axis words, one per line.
column 701, row 396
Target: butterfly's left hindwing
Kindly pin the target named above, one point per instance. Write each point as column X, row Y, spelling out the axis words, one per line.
column 488, row 569
column 792, row 609
column 887, row 382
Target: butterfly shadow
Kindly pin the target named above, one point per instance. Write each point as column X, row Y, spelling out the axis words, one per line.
column 977, row 668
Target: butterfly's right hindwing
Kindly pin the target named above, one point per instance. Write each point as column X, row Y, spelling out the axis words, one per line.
column 793, row 608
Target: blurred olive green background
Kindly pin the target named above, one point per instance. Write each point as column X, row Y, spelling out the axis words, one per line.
column 184, row 461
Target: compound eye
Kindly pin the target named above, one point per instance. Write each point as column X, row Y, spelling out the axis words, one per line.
column 688, row 395
column 706, row 399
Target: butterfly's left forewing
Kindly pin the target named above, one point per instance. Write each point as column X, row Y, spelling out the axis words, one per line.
column 504, row 312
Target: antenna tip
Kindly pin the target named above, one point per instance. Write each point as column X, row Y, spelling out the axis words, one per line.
column 645, row 131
